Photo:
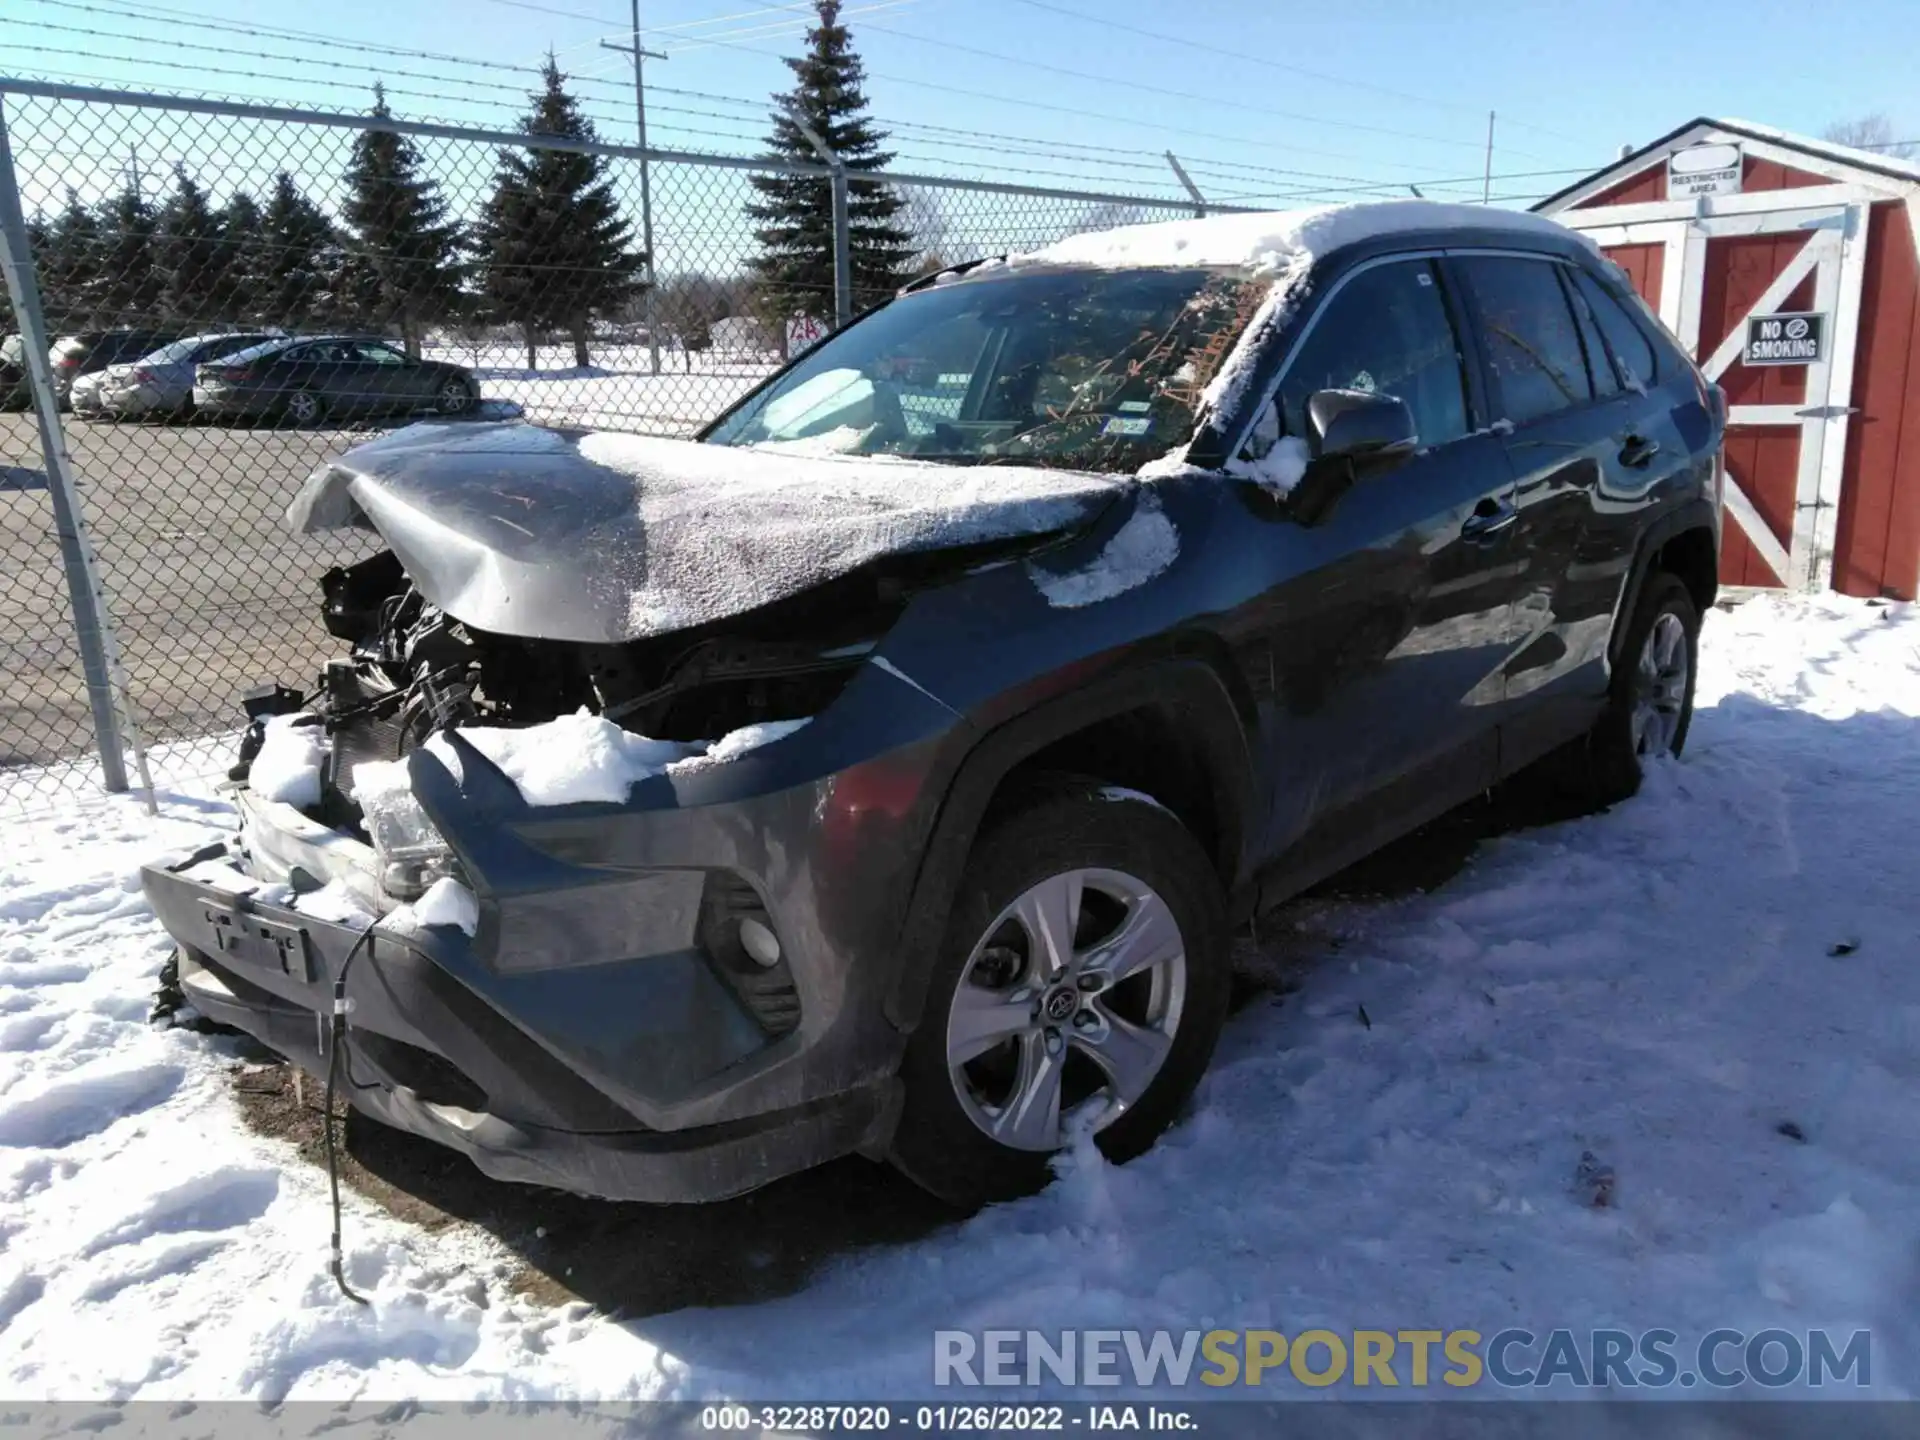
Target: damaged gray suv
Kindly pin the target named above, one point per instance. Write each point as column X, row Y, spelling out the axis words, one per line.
column 884, row 771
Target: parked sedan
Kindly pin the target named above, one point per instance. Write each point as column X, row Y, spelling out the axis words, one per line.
column 332, row 377
column 93, row 350
column 160, row 383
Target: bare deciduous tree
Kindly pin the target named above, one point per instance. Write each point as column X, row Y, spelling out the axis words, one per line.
column 1873, row 132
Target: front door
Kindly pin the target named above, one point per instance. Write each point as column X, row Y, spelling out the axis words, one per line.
column 1383, row 649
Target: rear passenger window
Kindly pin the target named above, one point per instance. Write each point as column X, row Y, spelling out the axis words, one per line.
column 1533, row 344
column 1629, row 343
column 1385, row 331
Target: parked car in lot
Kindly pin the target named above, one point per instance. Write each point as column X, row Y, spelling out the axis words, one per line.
column 305, row 380
column 14, row 392
column 89, row 351
column 885, row 772
column 157, row 384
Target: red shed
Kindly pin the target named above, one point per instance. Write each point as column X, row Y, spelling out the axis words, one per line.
column 1790, row 268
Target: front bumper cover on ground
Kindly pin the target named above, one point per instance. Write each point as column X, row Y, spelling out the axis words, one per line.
column 429, row 1056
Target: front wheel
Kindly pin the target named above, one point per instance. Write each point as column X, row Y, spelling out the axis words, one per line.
column 1081, row 986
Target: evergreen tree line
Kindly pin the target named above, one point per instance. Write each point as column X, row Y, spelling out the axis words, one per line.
column 549, row 253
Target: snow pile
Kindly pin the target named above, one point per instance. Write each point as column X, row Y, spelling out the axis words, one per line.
column 1711, row 989
column 336, row 903
column 288, row 765
column 585, row 757
column 1143, row 547
column 572, row 760
column 1279, row 470
column 446, row 902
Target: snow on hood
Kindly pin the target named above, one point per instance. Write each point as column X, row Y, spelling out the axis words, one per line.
column 605, row 537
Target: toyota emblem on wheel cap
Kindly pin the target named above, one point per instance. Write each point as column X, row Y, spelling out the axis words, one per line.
column 1061, row 1004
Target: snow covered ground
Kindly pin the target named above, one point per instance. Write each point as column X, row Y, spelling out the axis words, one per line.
column 619, row 391
column 1712, row 989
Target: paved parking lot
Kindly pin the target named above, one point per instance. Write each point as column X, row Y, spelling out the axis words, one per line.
column 209, row 592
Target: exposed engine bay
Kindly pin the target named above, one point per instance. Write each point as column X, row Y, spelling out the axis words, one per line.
column 411, row 669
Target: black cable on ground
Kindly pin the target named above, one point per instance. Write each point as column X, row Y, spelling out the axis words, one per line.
column 338, row 1044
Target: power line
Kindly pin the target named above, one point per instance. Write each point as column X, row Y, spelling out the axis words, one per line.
column 1077, row 111
column 1271, row 64
column 1187, row 95
column 144, row 10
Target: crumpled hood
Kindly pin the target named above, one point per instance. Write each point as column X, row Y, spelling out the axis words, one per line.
column 605, row 537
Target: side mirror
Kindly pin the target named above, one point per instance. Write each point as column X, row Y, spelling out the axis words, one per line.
column 1359, row 425
column 1349, row 430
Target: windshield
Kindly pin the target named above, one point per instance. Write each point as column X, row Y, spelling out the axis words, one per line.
column 1084, row 369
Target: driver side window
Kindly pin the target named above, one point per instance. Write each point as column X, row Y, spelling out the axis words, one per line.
column 1386, row 331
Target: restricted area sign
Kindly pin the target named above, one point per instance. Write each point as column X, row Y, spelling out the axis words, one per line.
column 1703, row 170
column 1784, row 339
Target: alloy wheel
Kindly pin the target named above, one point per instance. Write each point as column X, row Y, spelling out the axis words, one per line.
column 454, row 398
column 1660, row 686
column 302, row 408
column 1066, row 1008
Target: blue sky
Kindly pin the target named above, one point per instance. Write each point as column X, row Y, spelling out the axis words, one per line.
column 1265, row 101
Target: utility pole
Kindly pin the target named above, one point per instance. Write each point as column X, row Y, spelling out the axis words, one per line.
column 640, row 57
column 1486, row 176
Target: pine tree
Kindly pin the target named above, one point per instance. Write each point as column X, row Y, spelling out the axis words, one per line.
column 236, row 299
column 406, row 264
column 125, row 288
column 554, row 248
column 70, row 265
column 795, row 264
column 301, row 258
column 187, row 254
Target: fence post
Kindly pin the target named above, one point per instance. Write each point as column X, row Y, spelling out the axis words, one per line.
column 842, row 225
column 1186, row 180
column 76, row 553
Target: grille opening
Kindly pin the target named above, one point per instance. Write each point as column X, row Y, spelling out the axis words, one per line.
column 434, row 1078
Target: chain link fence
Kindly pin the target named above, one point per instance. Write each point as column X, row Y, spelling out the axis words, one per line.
column 228, row 295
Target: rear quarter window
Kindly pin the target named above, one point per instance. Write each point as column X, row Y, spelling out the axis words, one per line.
column 1629, row 335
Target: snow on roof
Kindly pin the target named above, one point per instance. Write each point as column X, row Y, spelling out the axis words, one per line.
column 1279, row 240
column 1845, row 154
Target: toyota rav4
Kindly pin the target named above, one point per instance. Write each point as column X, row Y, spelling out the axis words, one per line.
column 884, row 771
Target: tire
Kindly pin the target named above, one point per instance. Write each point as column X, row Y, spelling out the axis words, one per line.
column 1664, row 632
column 1136, row 863
column 455, row 397
column 302, row 408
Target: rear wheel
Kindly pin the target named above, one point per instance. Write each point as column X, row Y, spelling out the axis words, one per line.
column 1082, row 984
column 1650, row 704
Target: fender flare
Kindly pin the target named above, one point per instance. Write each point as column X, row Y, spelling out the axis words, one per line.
column 1199, row 699
column 1693, row 514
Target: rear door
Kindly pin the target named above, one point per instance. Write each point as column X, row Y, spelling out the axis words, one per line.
column 387, row 380
column 1385, row 658
column 1588, row 449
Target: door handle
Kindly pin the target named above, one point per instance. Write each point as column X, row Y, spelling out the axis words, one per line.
column 1490, row 519
column 1637, row 450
